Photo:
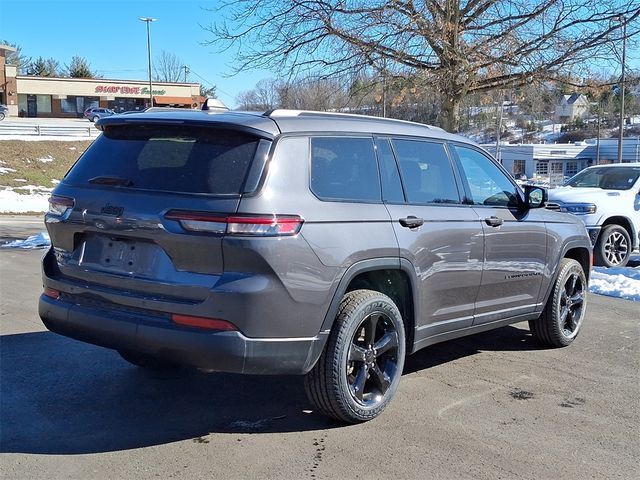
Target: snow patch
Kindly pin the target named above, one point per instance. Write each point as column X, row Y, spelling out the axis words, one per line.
column 622, row 282
column 46, row 138
column 33, row 188
column 41, row 240
column 19, row 180
column 13, row 202
column 46, row 159
column 4, row 170
column 55, row 181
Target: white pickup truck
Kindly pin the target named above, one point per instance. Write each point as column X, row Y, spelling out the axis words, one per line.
column 607, row 199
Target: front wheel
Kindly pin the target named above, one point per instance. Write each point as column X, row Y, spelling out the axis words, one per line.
column 564, row 312
column 358, row 373
column 1, row 116
column 613, row 247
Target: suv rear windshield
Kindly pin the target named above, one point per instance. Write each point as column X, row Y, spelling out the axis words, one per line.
column 608, row 178
column 168, row 158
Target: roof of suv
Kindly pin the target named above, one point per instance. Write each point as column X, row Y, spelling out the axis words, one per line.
column 275, row 122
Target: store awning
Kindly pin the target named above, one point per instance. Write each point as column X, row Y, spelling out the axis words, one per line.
column 173, row 100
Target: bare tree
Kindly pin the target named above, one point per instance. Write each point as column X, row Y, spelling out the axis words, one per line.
column 265, row 96
column 458, row 46
column 168, row 67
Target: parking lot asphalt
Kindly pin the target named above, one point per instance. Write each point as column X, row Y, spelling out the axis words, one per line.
column 490, row 406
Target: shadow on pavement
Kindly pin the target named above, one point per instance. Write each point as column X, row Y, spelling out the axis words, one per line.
column 505, row 339
column 59, row 396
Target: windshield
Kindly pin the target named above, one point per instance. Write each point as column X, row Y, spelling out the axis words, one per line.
column 608, row 178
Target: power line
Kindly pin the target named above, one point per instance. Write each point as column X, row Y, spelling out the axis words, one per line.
column 210, row 84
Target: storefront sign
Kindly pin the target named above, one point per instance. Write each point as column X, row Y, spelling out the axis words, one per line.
column 126, row 90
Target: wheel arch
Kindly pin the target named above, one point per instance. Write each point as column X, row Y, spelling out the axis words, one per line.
column 577, row 250
column 394, row 277
column 625, row 223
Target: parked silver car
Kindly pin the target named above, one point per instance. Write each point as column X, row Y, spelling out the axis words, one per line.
column 95, row 113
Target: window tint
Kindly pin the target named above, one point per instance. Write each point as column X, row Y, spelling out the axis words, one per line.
column 488, row 185
column 344, row 169
column 391, row 186
column 169, row 158
column 426, row 172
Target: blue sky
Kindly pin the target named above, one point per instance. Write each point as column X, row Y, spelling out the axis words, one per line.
column 109, row 35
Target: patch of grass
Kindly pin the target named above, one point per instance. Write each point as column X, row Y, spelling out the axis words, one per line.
column 24, row 157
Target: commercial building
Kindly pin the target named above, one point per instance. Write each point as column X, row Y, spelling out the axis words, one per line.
column 31, row 96
column 69, row 97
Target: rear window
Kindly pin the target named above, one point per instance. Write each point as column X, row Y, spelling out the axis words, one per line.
column 344, row 168
column 168, row 158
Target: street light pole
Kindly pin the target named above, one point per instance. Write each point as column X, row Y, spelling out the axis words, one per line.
column 148, row 20
column 622, row 20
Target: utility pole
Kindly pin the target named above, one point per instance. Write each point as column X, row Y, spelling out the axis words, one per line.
column 148, row 20
column 186, row 72
column 598, row 141
column 499, row 131
column 623, row 21
column 384, row 88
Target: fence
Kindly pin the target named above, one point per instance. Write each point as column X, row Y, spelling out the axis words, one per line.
column 49, row 130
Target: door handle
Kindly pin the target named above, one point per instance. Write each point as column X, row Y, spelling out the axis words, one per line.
column 494, row 221
column 411, row 222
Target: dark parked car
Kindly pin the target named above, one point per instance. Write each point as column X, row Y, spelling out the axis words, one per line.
column 94, row 113
column 324, row 245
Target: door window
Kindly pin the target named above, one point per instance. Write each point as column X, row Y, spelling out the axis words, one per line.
column 487, row 184
column 426, row 172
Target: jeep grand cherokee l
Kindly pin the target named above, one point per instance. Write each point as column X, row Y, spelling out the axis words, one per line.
column 290, row 242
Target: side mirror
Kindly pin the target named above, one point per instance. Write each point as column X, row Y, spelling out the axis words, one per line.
column 535, row 197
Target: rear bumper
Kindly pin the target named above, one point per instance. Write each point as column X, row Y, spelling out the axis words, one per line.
column 213, row 350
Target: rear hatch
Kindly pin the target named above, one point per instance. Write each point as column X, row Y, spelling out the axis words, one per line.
column 118, row 217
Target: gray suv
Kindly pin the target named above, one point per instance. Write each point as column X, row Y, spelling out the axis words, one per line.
column 289, row 242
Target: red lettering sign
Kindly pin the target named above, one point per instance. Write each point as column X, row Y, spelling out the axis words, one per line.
column 124, row 90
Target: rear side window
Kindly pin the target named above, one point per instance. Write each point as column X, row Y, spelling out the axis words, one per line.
column 168, row 158
column 344, row 168
column 426, row 172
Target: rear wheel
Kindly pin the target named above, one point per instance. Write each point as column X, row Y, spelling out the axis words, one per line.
column 613, row 247
column 148, row 362
column 358, row 373
column 564, row 312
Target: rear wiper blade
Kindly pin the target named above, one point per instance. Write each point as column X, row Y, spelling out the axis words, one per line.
column 108, row 180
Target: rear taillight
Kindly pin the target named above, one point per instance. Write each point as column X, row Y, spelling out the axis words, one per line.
column 51, row 293
column 202, row 322
column 245, row 225
column 60, row 205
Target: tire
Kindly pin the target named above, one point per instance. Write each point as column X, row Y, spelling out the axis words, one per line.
column 564, row 312
column 1, row 116
column 613, row 247
column 93, row 119
column 148, row 362
column 358, row 373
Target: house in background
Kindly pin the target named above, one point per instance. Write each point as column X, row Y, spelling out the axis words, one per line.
column 571, row 107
